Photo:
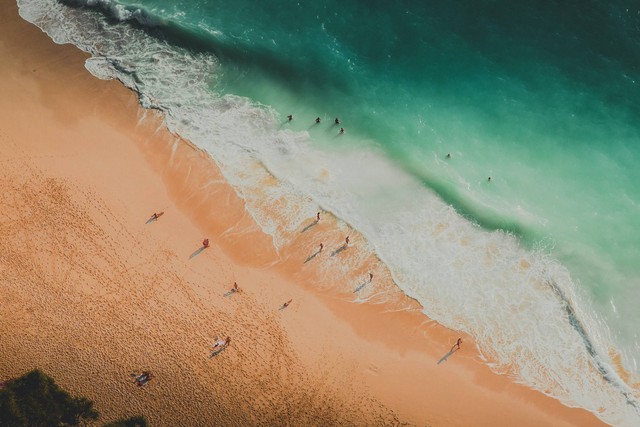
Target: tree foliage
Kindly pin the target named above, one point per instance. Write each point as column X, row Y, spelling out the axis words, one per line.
column 34, row 399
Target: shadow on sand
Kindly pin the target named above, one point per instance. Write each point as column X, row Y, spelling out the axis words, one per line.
column 152, row 219
column 217, row 351
column 446, row 356
column 312, row 256
column 340, row 249
column 309, row 226
column 197, row 252
column 362, row 285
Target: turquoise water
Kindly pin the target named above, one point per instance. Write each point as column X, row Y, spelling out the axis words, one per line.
column 540, row 96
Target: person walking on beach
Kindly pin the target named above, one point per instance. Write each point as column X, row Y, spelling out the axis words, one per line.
column 219, row 344
column 235, row 288
column 321, row 246
column 205, row 243
column 286, row 304
column 346, row 241
column 318, row 217
column 370, row 277
column 457, row 344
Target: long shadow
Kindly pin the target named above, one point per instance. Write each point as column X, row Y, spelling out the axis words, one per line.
column 446, row 356
column 312, row 256
column 217, row 351
column 314, row 125
column 231, row 292
column 152, row 219
column 365, row 283
column 196, row 253
column 309, row 226
column 340, row 249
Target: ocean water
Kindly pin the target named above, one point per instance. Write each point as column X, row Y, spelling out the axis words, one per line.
column 539, row 264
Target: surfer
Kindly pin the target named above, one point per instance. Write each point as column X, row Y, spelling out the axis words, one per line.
column 489, row 179
column 341, row 131
column 317, row 119
column 290, row 117
column 448, row 155
column 337, row 121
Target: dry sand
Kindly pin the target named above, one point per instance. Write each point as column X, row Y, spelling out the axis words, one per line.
column 91, row 292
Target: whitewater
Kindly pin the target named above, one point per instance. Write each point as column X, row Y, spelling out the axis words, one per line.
column 529, row 317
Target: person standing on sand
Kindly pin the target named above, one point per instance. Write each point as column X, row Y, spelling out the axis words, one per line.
column 370, row 276
column 205, row 243
column 346, row 241
column 286, row 304
column 219, row 343
column 318, row 217
column 321, row 246
column 457, row 344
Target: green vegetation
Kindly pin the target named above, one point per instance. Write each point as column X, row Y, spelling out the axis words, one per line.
column 35, row 400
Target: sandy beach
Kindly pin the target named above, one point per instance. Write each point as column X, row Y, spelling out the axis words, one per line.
column 93, row 290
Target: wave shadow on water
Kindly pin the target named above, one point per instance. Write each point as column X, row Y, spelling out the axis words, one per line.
column 604, row 370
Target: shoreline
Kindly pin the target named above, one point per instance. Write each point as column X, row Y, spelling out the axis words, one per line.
column 96, row 170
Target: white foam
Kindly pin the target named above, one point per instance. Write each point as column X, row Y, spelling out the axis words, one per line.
column 518, row 304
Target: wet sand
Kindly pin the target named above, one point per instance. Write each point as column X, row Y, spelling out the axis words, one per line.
column 92, row 292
